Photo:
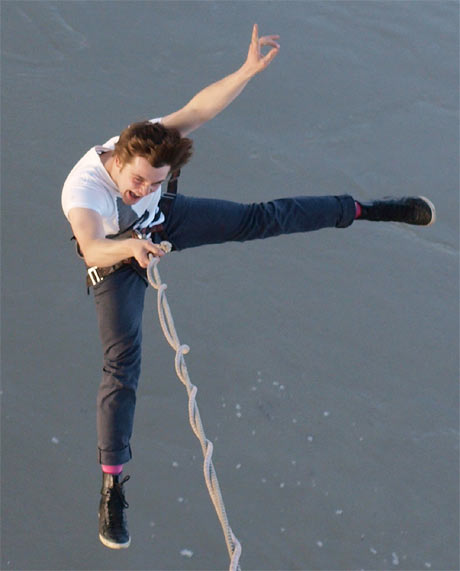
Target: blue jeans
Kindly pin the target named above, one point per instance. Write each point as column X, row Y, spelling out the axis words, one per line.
column 120, row 296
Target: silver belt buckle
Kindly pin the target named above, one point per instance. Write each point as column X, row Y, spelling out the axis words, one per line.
column 94, row 276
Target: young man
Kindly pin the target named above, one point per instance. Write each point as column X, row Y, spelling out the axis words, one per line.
column 112, row 199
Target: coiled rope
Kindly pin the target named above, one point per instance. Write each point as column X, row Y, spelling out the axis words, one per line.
column 210, row 476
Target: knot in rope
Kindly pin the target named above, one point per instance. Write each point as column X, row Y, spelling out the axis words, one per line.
column 210, row 476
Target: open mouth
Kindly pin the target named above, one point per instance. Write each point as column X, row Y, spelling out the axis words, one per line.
column 133, row 196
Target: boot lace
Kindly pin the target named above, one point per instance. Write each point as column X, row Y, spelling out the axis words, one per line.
column 115, row 504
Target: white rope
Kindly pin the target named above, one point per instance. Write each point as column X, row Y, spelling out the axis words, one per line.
column 210, row 476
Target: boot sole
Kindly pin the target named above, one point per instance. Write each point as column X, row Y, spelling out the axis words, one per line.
column 432, row 208
column 112, row 544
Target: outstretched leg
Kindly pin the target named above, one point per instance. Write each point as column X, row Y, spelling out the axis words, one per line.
column 194, row 222
column 197, row 221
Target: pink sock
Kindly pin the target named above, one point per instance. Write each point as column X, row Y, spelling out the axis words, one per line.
column 359, row 209
column 114, row 470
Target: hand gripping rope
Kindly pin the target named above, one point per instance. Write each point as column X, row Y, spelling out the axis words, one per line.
column 210, row 476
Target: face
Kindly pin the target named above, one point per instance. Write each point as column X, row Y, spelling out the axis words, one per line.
column 138, row 178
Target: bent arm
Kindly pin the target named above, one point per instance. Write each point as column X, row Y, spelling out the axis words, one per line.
column 100, row 251
column 216, row 97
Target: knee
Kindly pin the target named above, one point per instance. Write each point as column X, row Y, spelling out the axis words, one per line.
column 123, row 362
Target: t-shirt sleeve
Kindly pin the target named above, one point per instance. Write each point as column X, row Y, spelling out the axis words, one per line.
column 83, row 194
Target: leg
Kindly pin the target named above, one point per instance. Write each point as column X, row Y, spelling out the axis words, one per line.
column 119, row 303
column 197, row 221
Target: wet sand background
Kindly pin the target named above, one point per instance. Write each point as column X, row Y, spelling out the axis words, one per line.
column 326, row 363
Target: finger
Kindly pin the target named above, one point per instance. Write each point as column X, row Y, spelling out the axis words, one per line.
column 270, row 56
column 271, row 44
column 158, row 252
column 270, row 37
column 255, row 44
column 154, row 249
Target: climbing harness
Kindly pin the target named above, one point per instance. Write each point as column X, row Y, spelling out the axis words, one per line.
column 96, row 274
column 210, row 476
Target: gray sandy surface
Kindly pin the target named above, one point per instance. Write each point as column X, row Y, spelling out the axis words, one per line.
column 326, row 363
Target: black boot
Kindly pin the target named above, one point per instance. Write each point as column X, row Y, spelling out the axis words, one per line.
column 113, row 526
column 411, row 210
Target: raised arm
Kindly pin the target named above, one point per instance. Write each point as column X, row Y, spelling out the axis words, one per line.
column 216, row 97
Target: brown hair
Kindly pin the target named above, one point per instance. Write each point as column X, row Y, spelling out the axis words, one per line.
column 160, row 145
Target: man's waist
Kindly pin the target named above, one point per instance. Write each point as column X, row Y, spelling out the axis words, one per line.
column 96, row 274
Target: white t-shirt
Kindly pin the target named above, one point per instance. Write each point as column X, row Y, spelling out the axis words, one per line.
column 89, row 186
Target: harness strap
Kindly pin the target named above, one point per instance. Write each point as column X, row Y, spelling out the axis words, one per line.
column 166, row 202
column 171, row 190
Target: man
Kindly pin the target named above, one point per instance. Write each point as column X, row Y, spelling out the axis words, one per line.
column 112, row 199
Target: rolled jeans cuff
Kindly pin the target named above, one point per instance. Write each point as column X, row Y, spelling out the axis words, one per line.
column 348, row 206
column 115, row 457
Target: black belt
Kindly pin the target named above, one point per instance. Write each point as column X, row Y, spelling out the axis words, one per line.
column 96, row 275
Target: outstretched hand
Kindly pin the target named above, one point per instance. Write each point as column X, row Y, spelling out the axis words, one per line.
column 256, row 61
column 214, row 98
